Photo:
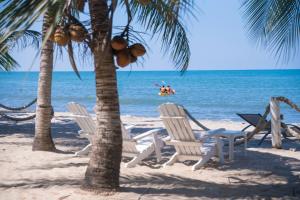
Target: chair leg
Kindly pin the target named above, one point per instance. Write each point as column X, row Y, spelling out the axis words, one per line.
column 231, row 148
column 245, row 143
column 172, row 160
column 220, row 150
column 204, row 159
column 263, row 138
column 158, row 144
column 141, row 156
column 84, row 151
column 136, row 160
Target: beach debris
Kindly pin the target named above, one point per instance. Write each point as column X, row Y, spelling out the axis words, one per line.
column 77, row 32
column 137, row 50
column 118, row 43
column 61, row 36
column 293, row 149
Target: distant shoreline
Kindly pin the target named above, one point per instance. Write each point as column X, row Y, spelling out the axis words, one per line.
column 175, row 70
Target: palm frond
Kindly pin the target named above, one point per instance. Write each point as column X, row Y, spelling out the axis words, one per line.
column 7, row 62
column 23, row 38
column 275, row 25
column 20, row 15
column 165, row 18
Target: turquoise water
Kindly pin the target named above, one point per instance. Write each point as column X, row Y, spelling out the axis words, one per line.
column 207, row 94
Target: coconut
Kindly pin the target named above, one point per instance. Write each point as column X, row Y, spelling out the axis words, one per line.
column 51, row 37
column 118, row 43
column 80, row 5
column 137, row 50
column 133, row 59
column 61, row 37
column 123, row 58
column 144, row 2
column 77, row 32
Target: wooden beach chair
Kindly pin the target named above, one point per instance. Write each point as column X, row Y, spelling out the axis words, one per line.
column 189, row 145
column 139, row 147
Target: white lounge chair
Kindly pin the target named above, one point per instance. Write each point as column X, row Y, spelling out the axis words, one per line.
column 189, row 145
column 138, row 147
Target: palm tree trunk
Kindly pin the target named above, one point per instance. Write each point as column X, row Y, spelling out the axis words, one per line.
column 42, row 139
column 104, row 166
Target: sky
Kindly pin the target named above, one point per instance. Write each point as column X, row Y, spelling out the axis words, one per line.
column 218, row 41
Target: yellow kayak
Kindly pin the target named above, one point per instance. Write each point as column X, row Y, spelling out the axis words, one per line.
column 165, row 94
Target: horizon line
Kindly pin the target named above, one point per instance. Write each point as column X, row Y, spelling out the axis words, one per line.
column 175, row 70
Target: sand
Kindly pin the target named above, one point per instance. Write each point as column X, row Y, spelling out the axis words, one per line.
column 259, row 173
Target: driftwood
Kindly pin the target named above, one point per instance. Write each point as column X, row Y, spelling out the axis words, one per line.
column 262, row 124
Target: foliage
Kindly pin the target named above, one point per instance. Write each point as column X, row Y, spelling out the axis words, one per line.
column 161, row 17
column 274, row 24
column 20, row 39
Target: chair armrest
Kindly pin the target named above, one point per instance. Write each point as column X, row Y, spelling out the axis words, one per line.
column 210, row 135
column 246, row 127
column 151, row 132
column 165, row 139
column 129, row 127
column 216, row 131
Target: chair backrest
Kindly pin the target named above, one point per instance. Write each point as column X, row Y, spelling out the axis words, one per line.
column 176, row 122
column 252, row 119
column 82, row 117
column 87, row 125
column 77, row 109
column 129, row 145
column 179, row 129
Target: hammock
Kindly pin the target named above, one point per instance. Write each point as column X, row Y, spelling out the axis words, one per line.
column 17, row 119
column 18, row 108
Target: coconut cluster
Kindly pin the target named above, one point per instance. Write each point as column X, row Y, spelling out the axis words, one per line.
column 63, row 34
column 144, row 2
column 124, row 53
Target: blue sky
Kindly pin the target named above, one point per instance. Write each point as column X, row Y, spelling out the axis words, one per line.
column 217, row 37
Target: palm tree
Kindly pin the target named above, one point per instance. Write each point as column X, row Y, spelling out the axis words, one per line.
column 17, row 38
column 157, row 16
column 274, row 24
column 44, row 111
column 161, row 17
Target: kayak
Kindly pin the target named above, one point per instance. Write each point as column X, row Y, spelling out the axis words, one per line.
column 166, row 94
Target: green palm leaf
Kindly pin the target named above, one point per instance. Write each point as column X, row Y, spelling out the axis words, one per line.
column 164, row 17
column 17, row 38
column 274, row 24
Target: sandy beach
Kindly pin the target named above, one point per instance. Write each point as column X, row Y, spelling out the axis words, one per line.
column 259, row 173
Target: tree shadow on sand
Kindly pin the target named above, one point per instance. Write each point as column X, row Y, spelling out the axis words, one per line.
column 248, row 179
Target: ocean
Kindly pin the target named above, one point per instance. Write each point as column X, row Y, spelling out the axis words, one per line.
column 213, row 95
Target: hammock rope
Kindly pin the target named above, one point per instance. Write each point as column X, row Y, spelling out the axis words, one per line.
column 18, row 108
column 18, row 119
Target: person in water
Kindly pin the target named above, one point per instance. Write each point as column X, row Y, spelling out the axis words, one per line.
column 169, row 90
column 163, row 90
